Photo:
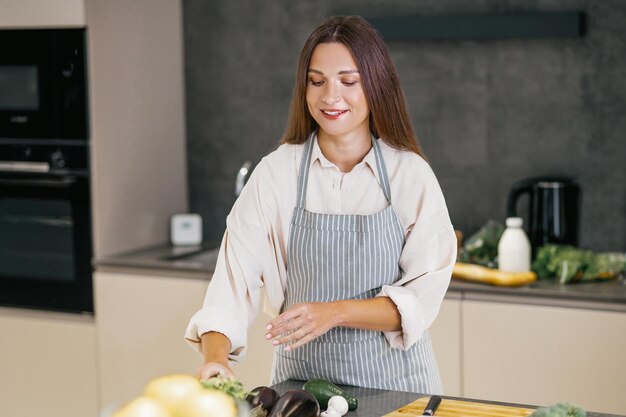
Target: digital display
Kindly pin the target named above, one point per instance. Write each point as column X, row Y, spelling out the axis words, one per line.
column 19, row 87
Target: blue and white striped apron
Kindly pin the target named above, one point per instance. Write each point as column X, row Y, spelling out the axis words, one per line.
column 349, row 257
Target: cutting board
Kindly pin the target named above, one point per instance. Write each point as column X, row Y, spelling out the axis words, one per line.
column 455, row 408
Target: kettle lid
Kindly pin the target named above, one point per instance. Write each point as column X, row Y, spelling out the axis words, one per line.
column 554, row 182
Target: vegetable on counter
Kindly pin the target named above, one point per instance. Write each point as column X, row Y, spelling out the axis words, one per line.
column 323, row 391
column 143, row 406
column 208, row 403
column 182, row 395
column 339, row 404
column 482, row 247
column 568, row 264
column 229, row 386
column 486, row 275
column 262, row 400
column 171, row 390
column 296, row 403
column 559, row 410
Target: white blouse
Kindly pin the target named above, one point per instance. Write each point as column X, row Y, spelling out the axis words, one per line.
column 253, row 253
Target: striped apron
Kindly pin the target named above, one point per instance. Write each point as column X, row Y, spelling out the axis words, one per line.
column 349, row 257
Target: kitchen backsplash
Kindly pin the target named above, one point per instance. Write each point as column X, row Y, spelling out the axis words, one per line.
column 488, row 113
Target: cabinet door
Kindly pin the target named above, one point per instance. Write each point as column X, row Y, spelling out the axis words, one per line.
column 47, row 364
column 543, row 355
column 141, row 323
column 446, row 335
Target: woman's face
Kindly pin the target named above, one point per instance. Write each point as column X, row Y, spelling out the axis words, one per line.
column 334, row 93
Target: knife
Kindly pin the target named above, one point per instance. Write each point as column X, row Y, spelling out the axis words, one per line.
column 432, row 405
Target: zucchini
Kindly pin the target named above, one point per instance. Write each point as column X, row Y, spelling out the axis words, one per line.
column 323, row 390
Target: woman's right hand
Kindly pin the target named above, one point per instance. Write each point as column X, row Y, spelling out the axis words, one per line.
column 215, row 348
column 211, row 369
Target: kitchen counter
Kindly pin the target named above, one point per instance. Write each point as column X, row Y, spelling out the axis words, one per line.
column 377, row 403
column 608, row 295
column 165, row 259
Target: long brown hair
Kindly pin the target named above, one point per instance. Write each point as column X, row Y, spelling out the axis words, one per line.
column 389, row 119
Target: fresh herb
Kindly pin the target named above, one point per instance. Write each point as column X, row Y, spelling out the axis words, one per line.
column 229, row 386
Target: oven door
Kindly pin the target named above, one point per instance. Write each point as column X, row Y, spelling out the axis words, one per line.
column 45, row 243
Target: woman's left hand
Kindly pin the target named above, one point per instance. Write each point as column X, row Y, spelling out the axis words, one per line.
column 302, row 323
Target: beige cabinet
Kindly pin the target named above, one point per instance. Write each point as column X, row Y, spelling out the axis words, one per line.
column 41, row 13
column 141, row 320
column 47, row 364
column 446, row 336
column 538, row 354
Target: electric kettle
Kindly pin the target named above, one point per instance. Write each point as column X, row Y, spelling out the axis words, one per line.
column 553, row 211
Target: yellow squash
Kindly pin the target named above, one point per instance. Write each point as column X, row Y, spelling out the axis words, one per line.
column 477, row 273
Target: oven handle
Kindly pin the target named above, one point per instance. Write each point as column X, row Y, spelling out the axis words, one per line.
column 24, row 166
column 63, row 182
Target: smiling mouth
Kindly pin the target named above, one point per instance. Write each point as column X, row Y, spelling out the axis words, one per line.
column 334, row 112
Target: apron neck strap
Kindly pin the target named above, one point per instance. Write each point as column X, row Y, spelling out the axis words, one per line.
column 382, row 170
column 303, row 176
column 305, row 164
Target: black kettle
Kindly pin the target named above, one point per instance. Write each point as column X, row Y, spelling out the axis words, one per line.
column 554, row 206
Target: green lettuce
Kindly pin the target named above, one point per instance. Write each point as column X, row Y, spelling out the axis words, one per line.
column 569, row 264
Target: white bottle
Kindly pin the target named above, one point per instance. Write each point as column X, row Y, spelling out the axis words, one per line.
column 514, row 247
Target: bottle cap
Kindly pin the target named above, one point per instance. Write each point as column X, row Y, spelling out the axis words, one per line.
column 514, row 222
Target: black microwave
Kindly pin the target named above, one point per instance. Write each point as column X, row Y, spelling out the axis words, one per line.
column 43, row 84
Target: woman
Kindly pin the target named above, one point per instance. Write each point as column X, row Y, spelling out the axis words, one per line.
column 344, row 225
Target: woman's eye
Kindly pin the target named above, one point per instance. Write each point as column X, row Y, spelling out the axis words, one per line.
column 349, row 83
column 316, row 83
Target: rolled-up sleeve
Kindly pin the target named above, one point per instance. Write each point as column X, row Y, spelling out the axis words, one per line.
column 427, row 258
column 418, row 295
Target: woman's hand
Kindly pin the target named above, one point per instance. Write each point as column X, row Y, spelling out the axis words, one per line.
column 215, row 348
column 302, row 323
column 211, row 369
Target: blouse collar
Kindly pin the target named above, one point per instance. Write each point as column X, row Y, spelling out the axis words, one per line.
column 368, row 161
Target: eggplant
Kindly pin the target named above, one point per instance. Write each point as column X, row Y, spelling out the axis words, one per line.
column 264, row 396
column 296, row 403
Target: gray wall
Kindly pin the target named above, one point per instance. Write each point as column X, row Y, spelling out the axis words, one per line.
column 488, row 113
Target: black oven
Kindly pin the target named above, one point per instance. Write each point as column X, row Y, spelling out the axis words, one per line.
column 45, row 242
column 45, row 206
column 42, row 84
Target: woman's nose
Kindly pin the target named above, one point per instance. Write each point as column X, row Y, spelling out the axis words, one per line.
column 331, row 95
